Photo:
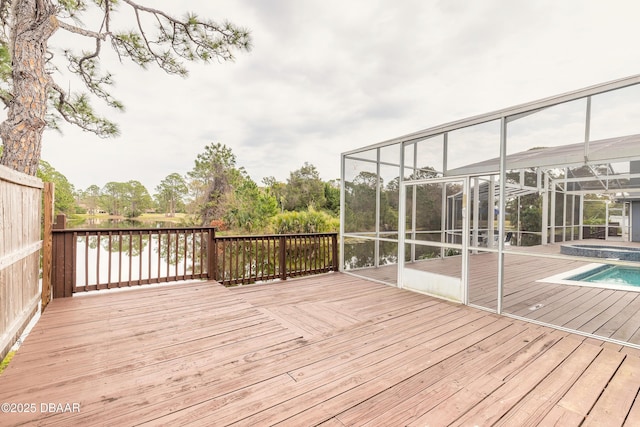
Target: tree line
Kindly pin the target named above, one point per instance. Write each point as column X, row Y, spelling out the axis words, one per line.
column 215, row 192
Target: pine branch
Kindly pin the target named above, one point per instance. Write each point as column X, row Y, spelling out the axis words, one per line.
column 78, row 111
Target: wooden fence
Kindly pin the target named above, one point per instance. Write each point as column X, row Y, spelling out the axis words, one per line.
column 20, row 244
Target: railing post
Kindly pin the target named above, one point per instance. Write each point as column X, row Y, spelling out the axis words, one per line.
column 283, row 258
column 334, row 250
column 212, row 256
column 47, row 245
column 63, row 263
column 61, row 222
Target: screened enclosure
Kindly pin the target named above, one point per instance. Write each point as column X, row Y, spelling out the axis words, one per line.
column 497, row 210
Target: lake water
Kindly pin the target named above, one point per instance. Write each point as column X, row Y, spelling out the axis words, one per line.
column 132, row 258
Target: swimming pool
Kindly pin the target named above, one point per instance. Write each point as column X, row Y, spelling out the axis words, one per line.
column 597, row 275
column 610, row 274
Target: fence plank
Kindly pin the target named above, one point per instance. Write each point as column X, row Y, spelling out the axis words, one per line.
column 20, row 207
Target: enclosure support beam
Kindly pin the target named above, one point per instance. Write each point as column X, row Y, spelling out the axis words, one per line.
column 501, row 217
column 573, row 215
column 402, row 212
column 491, row 207
column 465, row 242
column 445, row 166
column 376, row 250
column 343, row 160
column 545, row 209
column 552, row 213
column 414, row 195
column 606, row 220
column 476, row 212
column 587, row 129
column 564, row 207
column 443, row 217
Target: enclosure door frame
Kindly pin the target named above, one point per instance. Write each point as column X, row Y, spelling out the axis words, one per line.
column 430, row 283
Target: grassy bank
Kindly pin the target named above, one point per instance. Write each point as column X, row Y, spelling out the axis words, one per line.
column 179, row 218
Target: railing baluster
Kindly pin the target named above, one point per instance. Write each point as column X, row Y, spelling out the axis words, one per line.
column 246, row 253
column 193, row 252
column 177, row 254
column 237, row 251
column 168, row 252
column 236, row 272
column 240, row 250
column 119, row 258
column 313, row 265
column 306, row 254
column 223, row 267
column 130, row 256
column 150, row 237
column 185, row 252
column 318, row 265
column 159, row 255
column 294, row 259
column 86, row 260
column 140, row 258
column 283, row 257
column 271, row 263
column 74, row 250
column 109, row 258
column 316, row 252
column 259, row 262
column 215, row 274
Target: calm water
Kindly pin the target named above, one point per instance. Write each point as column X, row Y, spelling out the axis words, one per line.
column 133, row 259
column 611, row 274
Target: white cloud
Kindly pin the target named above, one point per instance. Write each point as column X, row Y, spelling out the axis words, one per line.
column 328, row 76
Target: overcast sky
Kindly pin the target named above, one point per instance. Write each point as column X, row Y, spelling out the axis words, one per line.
column 328, row 76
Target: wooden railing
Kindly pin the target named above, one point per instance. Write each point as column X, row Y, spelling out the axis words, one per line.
column 87, row 260
column 250, row 259
column 95, row 259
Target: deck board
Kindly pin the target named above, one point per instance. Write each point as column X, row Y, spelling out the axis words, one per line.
column 531, row 409
column 503, row 401
column 422, row 392
column 610, row 314
column 332, row 350
column 613, row 406
column 586, row 391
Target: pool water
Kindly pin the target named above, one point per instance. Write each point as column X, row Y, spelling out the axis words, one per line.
column 612, row 274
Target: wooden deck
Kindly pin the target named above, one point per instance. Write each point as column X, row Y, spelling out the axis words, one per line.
column 610, row 314
column 330, row 350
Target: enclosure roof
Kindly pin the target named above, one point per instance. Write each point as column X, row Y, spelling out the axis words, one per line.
column 610, row 150
column 511, row 112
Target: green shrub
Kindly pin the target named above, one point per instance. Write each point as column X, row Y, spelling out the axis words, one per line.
column 310, row 221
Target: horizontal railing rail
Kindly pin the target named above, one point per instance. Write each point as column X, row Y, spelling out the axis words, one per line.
column 95, row 259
